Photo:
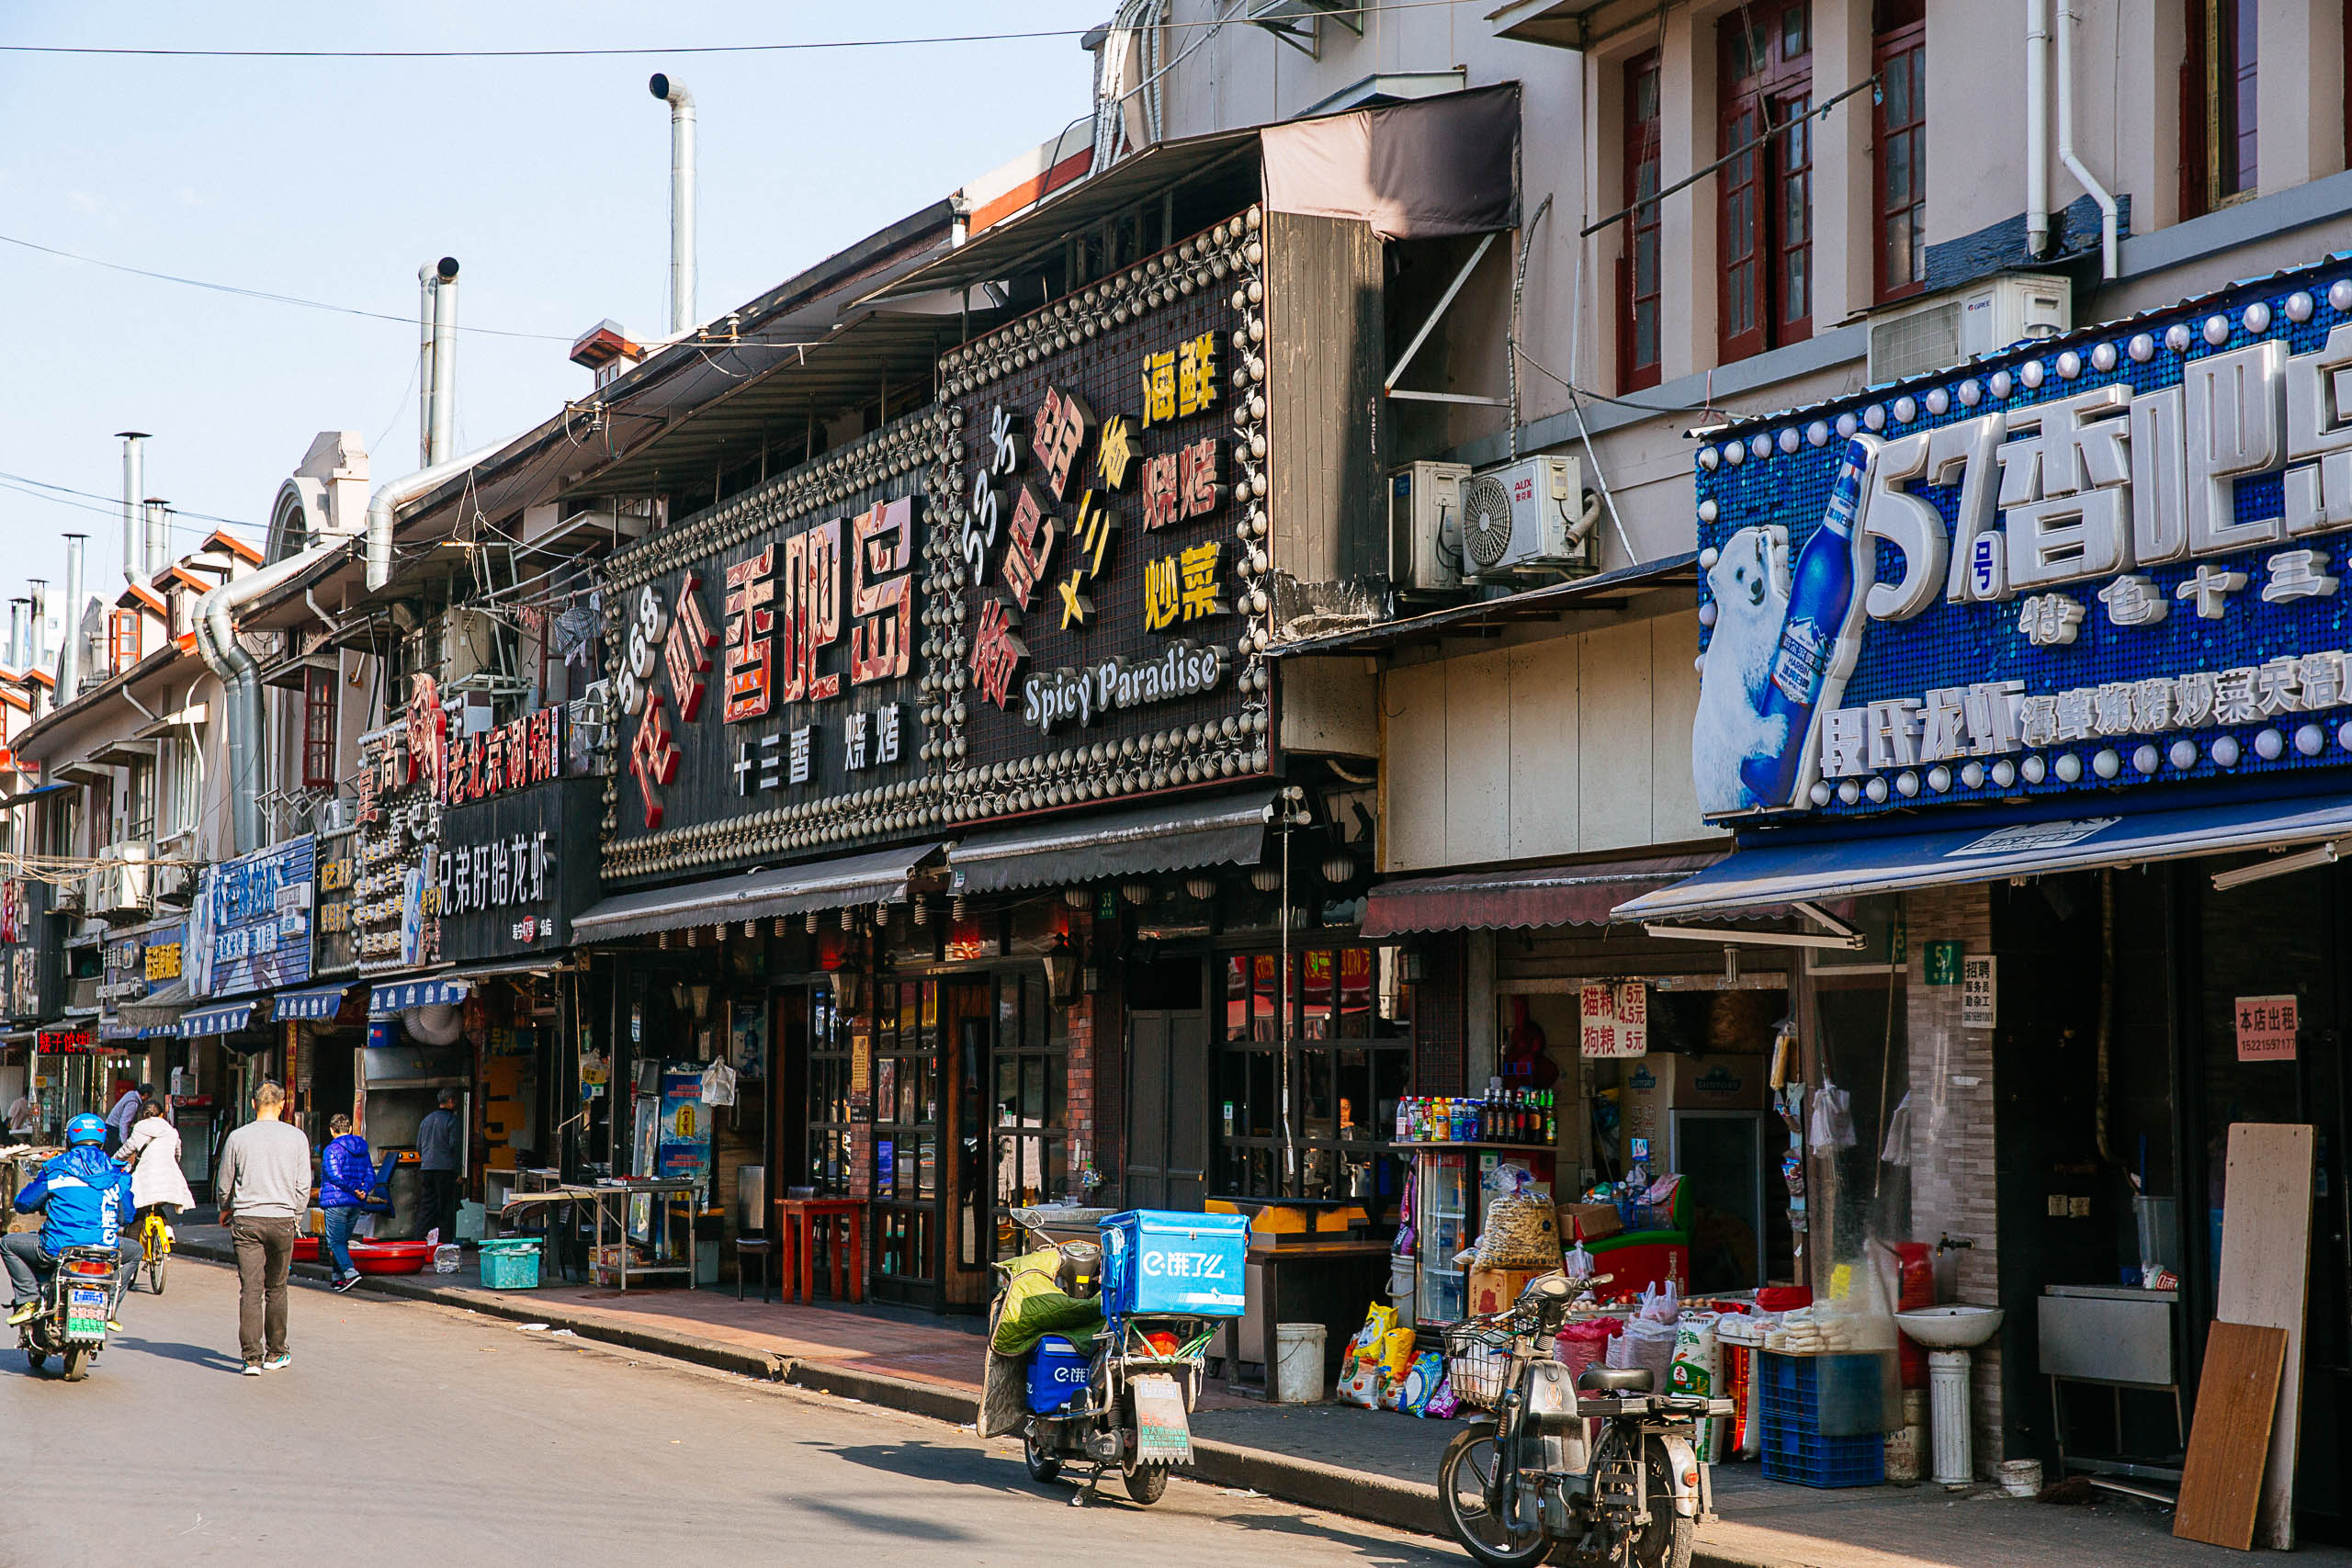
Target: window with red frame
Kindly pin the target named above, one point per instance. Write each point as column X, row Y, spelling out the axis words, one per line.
column 318, row 729
column 122, row 641
column 1639, row 288
column 1899, row 150
column 1766, row 190
column 2217, row 105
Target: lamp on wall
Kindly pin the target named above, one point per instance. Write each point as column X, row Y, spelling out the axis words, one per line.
column 1061, row 970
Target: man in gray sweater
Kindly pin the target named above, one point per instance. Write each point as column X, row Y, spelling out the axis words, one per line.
column 264, row 1188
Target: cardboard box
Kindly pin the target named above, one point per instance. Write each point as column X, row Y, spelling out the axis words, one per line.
column 1661, row 1082
column 1597, row 1222
column 1494, row 1290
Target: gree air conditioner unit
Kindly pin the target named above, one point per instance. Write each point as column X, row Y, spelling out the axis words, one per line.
column 1984, row 318
column 1531, row 515
column 1425, row 525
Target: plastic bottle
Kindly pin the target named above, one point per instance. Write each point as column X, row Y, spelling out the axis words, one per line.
column 1551, row 1120
column 1403, row 1119
column 1821, row 593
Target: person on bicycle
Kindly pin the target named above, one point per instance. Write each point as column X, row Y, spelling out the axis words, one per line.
column 83, row 1198
column 152, row 1155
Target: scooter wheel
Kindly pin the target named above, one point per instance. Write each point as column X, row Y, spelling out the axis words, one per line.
column 35, row 1359
column 1146, row 1483
column 77, row 1364
column 1038, row 1452
column 1666, row 1542
column 1462, row 1477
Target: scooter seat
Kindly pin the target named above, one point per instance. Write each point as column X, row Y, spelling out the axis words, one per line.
column 1615, row 1380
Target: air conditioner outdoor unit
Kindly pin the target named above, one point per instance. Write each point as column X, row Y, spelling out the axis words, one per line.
column 1425, row 525
column 1531, row 515
column 1984, row 318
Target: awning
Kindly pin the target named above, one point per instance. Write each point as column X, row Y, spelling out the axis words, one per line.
column 879, row 877
column 418, row 991
column 1081, row 849
column 313, row 1002
column 1506, row 900
column 226, row 1019
column 157, row 1014
column 1988, row 848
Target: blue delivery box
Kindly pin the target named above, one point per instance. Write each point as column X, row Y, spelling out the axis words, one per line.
column 1158, row 1262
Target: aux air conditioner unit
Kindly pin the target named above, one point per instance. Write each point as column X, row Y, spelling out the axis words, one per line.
column 1425, row 525
column 1984, row 318
column 1531, row 515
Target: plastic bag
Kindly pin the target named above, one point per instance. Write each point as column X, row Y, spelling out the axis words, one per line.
column 1397, row 1354
column 1444, row 1403
column 1521, row 1232
column 1366, row 1344
column 1586, row 1344
column 1420, row 1384
column 1833, row 1118
column 1360, row 1384
column 1647, row 1345
column 1576, row 1264
column 1661, row 1303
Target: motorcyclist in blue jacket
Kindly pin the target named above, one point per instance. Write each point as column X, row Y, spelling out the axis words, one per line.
column 83, row 1200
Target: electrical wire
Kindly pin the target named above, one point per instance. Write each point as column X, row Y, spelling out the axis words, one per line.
column 630, row 51
column 90, row 500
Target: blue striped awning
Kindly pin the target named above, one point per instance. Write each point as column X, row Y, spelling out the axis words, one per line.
column 226, row 1019
column 398, row 995
column 315, row 1002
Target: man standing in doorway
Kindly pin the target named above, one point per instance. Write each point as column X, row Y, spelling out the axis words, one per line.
column 436, row 1163
column 264, row 1188
column 126, row 1112
column 24, row 1118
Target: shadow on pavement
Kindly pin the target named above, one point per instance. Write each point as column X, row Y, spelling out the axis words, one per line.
column 173, row 1350
column 1327, row 1528
column 933, row 1531
column 927, row 1461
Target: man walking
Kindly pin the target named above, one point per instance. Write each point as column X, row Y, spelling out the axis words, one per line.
column 436, row 1164
column 265, row 1187
column 126, row 1112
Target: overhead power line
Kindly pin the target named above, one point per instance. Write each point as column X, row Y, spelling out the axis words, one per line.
column 91, row 500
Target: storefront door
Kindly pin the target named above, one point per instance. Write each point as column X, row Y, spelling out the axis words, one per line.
column 929, row 1212
column 1168, row 1141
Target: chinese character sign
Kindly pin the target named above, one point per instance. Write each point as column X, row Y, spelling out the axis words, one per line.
column 2265, row 1028
column 1613, row 1020
column 2106, row 561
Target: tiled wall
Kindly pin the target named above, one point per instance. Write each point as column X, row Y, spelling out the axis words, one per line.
column 1952, row 1166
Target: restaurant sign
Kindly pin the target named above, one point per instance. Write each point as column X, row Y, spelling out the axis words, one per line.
column 2097, row 562
column 251, row 923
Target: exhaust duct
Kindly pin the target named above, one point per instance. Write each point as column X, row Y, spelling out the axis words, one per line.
column 134, row 490
column 682, row 199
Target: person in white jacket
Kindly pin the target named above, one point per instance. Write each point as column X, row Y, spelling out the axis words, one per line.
column 153, row 1152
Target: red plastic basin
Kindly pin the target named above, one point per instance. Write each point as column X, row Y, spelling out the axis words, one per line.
column 306, row 1249
column 391, row 1256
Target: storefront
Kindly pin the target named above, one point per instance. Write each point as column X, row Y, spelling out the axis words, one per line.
column 2054, row 697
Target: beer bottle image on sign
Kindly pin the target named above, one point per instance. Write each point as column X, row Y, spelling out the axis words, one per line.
column 1821, row 595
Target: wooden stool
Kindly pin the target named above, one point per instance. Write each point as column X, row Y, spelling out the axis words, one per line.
column 746, row 1248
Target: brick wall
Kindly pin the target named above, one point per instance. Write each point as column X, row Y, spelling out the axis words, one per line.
column 1080, row 1024
column 1953, row 1168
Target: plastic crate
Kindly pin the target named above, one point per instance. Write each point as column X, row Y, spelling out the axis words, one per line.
column 1789, row 1395
column 1806, row 1459
column 1187, row 1265
column 510, row 1263
column 1057, row 1375
column 1835, row 1396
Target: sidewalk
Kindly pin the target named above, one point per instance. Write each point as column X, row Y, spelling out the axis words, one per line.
column 1374, row 1465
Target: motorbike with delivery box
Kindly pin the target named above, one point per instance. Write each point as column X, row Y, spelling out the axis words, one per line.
column 1096, row 1350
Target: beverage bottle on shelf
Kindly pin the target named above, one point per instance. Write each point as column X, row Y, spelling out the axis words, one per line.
column 1404, row 1119
column 1821, row 593
column 1518, row 1116
column 1551, row 1120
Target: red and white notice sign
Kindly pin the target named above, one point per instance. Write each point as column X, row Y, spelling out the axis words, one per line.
column 1614, row 1019
column 2266, row 1029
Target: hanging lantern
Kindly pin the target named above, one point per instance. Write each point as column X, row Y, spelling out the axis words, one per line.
column 1137, row 893
column 809, row 922
column 959, row 907
column 920, row 906
column 1266, row 878
column 1201, row 887
column 849, row 919
column 778, row 927
column 1339, row 870
column 1077, row 898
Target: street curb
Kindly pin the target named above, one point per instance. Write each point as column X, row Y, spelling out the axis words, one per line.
column 1409, row 1505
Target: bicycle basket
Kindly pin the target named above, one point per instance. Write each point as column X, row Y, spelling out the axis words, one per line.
column 1477, row 1359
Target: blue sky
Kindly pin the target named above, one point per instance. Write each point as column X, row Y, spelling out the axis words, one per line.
column 335, row 179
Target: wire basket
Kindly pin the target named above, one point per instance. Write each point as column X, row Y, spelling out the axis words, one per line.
column 1477, row 1361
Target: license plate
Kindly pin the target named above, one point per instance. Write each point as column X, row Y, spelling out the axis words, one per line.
column 86, row 1313
column 1163, row 1435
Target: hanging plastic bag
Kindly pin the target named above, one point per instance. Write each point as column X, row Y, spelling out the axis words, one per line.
column 1833, row 1118
column 1897, row 1149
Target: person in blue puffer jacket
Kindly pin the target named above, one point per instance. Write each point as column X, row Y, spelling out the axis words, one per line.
column 83, row 1200
column 348, row 1189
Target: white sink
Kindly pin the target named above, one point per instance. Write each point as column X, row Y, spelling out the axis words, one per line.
column 1951, row 1327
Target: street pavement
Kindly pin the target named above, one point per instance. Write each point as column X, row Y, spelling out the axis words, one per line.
column 417, row 1435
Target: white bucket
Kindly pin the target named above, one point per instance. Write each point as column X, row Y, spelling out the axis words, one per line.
column 2022, row 1477
column 1298, row 1362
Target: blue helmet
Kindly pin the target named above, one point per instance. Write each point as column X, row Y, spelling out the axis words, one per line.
column 84, row 1129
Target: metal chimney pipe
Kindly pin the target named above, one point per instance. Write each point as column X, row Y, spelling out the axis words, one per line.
column 70, row 659
column 36, row 643
column 426, row 276
column 134, row 486
column 445, row 360
column 682, row 199
column 17, row 608
column 159, row 536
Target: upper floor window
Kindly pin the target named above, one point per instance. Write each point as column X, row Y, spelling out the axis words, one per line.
column 138, row 802
column 123, row 636
column 2217, row 105
column 1899, row 151
column 317, row 728
column 1765, row 54
column 1640, row 292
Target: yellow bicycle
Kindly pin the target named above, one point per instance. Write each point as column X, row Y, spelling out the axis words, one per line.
column 155, row 1236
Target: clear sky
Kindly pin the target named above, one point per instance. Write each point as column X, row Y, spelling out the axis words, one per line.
column 332, row 179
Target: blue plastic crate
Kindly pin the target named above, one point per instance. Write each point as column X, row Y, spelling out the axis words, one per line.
column 1155, row 1261
column 510, row 1263
column 1057, row 1375
column 1835, row 1396
column 1807, row 1459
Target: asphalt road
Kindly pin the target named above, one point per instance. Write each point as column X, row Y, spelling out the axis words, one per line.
column 416, row 1435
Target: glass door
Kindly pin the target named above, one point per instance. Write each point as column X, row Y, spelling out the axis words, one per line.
column 907, row 1026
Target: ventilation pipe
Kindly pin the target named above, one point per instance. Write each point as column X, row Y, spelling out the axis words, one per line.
column 441, row 416
column 16, row 617
column 70, row 655
column 397, row 493
column 682, row 200
column 37, row 644
column 426, row 276
column 2037, row 129
column 134, row 490
column 2068, row 19
column 159, row 536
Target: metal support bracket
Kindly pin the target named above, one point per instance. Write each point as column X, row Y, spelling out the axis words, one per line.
column 1835, row 935
column 1299, row 23
column 1445, row 302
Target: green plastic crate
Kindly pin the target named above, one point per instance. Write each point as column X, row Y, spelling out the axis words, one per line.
column 511, row 1263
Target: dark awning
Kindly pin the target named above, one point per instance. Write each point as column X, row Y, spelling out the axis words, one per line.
column 1506, row 900
column 226, row 1019
column 1167, row 837
column 1988, row 848
column 313, row 1002
column 386, row 997
column 156, row 1014
column 876, row 878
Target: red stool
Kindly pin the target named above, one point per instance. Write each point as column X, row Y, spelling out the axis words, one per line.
column 844, row 1244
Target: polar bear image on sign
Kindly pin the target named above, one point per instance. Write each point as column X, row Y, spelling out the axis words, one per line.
column 1747, row 580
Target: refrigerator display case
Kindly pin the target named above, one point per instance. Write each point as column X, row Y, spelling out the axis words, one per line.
column 1441, row 1221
